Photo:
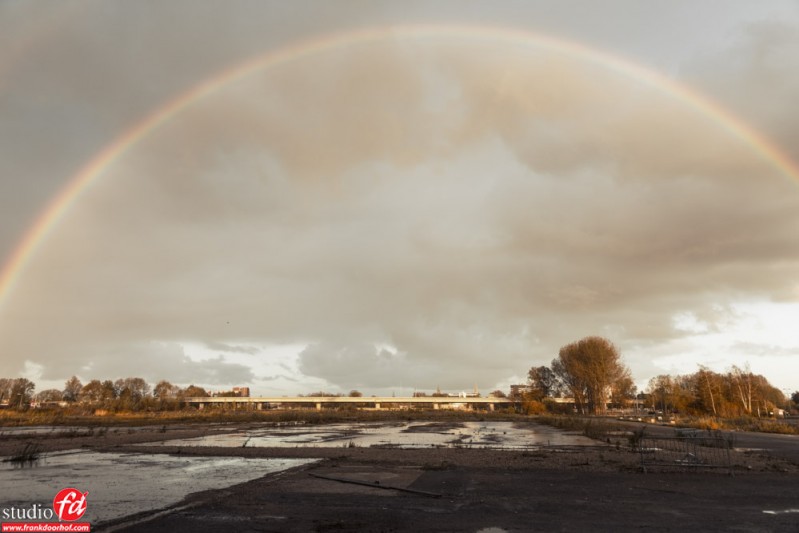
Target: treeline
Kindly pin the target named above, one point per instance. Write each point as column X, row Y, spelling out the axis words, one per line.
column 323, row 394
column 123, row 394
column 738, row 392
column 591, row 372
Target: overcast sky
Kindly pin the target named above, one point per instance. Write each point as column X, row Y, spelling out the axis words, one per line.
column 430, row 208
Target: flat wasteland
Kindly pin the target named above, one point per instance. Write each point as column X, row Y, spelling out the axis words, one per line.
column 598, row 487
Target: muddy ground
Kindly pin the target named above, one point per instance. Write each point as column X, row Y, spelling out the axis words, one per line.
column 599, row 488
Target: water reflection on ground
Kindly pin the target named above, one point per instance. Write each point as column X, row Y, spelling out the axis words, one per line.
column 124, row 484
column 494, row 435
column 81, row 431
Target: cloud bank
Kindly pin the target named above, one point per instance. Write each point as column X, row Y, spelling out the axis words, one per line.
column 414, row 213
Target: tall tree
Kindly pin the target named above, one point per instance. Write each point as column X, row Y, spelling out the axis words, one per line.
column 570, row 373
column 5, row 388
column 72, row 389
column 708, row 389
column 544, row 383
column 590, row 368
column 164, row 390
column 108, row 391
column 671, row 393
column 193, row 391
column 92, row 392
column 49, row 395
column 135, row 388
column 21, row 393
column 743, row 384
column 130, row 392
column 97, row 391
column 623, row 390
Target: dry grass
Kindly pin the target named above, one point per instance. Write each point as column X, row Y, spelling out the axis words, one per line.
column 760, row 425
column 600, row 428
column 28, row 454
column 594, row 428
column 234, row 416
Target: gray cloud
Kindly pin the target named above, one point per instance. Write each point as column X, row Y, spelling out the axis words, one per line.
column 755, row 76
column 155, row 361
column 222, row 347
column 418, row 212
column 279, row 376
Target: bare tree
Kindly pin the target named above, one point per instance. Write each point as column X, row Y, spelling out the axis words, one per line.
column 744, row 384
column 707, row 384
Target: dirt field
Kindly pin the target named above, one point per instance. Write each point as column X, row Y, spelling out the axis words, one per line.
column 598, row 488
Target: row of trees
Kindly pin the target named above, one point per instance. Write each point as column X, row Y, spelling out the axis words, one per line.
column 734, row 393
column 16, row 393
column 592, row 373
column 323, row 394
column 125, row 393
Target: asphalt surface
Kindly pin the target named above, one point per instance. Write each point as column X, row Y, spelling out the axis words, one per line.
column 489, row 500
column 772, row 444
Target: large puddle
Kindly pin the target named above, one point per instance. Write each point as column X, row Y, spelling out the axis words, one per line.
column 494, row 435
column 124, row 484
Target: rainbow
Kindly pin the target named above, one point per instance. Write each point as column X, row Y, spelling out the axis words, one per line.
column 37, row 233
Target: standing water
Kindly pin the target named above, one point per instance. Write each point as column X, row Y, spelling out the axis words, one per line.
column 489, row 435
column 124, row 484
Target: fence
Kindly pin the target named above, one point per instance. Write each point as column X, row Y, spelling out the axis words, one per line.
column 688, row 449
